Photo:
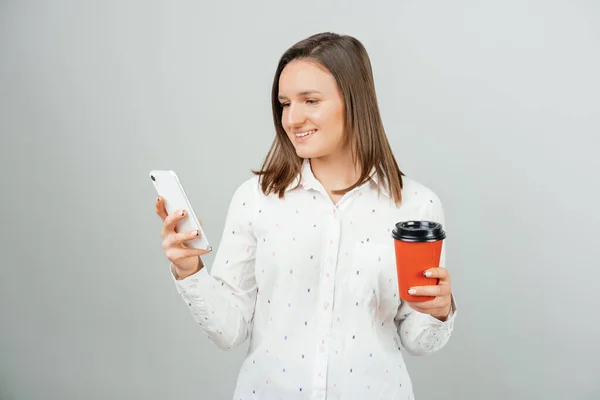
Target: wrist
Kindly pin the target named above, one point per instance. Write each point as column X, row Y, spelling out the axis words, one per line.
column 182, row 273
column 444, row 316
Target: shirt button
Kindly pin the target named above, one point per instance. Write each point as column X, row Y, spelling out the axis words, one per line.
column 319, row 395
column 322, row 349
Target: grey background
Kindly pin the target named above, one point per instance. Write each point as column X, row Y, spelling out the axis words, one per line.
column 492, row 104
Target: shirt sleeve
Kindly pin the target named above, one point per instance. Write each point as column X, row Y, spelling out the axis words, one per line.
column 422, row 334
column 222, row 300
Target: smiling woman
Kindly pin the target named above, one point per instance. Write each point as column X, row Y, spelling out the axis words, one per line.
column 306, row 112
column 324, row 101
column 306, row 268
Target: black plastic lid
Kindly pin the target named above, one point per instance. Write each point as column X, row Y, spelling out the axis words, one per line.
column 418, row 231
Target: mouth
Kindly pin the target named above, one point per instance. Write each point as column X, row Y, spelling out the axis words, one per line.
column 301, row 135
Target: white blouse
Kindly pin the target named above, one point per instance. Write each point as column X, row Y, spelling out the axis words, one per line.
column 313, row 286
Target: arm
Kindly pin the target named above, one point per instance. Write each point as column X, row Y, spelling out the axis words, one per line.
column 222, row 301
column 421, row 333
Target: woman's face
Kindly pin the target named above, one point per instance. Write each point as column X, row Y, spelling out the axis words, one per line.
column 313, row 109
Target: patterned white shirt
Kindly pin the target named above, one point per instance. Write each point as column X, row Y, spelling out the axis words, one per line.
column 313, row 286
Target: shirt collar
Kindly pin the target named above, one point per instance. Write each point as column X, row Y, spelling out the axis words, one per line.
column 308, row 181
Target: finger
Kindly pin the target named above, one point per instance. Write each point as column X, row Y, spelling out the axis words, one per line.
column 176, row 239
column 171, row 221
column 160, row 208
column 179, row 253
column 427, row 305
column 420, row 306
column 440, row 273
column 438, row 311
column 432, row 290
column 417, row 307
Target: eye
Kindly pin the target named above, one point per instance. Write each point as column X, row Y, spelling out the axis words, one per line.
column 312, row 102
column 284, row 105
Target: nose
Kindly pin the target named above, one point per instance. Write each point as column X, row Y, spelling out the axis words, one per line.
column 293, row 116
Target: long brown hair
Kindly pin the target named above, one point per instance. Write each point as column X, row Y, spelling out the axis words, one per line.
column 347, row 60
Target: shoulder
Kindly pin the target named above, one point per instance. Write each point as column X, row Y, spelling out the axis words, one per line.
column 249, row 185
column 422, row 197
column 248, row 188
column 417, row 191
column 244, row 202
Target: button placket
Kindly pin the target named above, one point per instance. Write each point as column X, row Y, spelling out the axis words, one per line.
column 326, row 298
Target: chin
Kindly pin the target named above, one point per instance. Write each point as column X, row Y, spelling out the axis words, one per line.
column 308, row 153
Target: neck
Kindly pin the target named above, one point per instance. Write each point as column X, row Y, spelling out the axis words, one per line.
column 335, row 172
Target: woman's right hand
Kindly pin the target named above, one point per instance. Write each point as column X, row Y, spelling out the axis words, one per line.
column 185, row 259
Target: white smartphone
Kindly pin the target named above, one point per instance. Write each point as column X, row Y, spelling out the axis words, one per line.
column 168, row 186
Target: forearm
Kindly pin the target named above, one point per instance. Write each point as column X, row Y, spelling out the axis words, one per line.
column 422, row 334
column 180, row 273
column 221, row 311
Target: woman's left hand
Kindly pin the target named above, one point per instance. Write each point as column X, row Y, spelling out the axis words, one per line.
column 442, row 304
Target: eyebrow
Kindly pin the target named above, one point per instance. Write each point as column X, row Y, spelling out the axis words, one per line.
column 303, row 93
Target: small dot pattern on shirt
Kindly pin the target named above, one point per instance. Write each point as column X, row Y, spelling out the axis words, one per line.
column 318, row 284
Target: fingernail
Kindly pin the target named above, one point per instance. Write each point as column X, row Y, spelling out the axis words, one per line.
column 428, row 273
column 196, row 233
column 182, row 213
column 157, row 199
column 412, row 291
column 210, row 248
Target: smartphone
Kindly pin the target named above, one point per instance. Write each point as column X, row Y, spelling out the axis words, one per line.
column 167, row 185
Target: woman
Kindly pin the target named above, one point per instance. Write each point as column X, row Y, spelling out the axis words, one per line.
column 306, row 264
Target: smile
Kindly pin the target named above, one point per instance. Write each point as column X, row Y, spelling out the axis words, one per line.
column 304, row 134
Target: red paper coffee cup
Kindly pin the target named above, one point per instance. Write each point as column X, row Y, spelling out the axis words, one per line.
column 418, row 246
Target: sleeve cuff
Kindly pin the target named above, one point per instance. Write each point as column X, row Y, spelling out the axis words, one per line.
column 449, row 322
column 191, row 282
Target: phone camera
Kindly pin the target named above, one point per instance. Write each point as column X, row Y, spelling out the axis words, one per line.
column 152, row 177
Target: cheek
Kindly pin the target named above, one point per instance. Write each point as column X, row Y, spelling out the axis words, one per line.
column 328, row 117
column 335, row 126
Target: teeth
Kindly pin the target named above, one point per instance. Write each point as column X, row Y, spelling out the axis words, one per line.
column 305, row 133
